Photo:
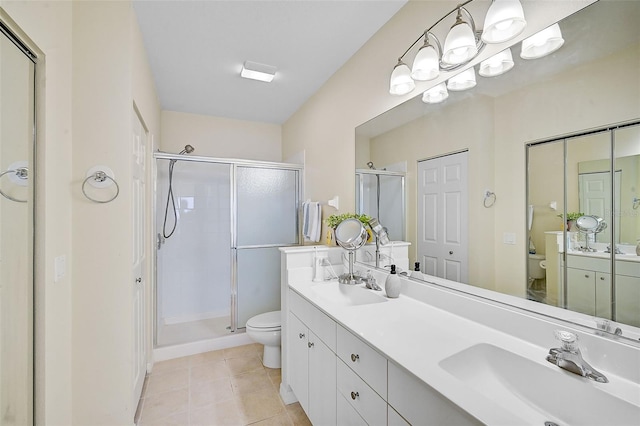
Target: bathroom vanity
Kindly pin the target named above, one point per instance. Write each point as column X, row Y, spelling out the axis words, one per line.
column 588, row 280
column 437, row 356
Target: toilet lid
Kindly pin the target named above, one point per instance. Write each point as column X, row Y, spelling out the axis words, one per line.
column 266, row 320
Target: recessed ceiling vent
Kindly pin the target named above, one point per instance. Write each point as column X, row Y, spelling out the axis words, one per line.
column 256, row 71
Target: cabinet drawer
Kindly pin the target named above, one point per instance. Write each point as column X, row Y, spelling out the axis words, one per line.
column 589, row 263
column 299, row 306
column 347, row 415
column 364, row 360
column 317, row 321
column 360, row 396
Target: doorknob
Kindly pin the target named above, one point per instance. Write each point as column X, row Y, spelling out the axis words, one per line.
column 450, row 251
column 139, row 279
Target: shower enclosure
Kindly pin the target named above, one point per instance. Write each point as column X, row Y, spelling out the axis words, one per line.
column 221, row 265
column 380, row 194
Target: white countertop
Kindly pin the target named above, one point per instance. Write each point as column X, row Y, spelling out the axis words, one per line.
column 417, row 336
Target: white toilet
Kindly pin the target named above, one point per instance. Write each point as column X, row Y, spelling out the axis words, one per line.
column 265, row 329
column 536, row 269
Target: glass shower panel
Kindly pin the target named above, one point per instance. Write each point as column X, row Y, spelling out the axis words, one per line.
column 267, row 217
column 391, row 211
column 267, row 201
column 382, row 196
column 194, row 264
column 258, row 282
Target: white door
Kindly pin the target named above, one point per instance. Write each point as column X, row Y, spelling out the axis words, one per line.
column 443, row 217
column 138, row 169
column 595, row 199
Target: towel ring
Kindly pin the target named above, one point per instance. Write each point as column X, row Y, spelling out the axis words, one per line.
column 21, row 174
column 101, row 179
column 636, row 203
column 489, row 199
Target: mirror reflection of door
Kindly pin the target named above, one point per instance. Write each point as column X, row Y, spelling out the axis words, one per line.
column 443, row 217
column 595, row 199
column 17, row 122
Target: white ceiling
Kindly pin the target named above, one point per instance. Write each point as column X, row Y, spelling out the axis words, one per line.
column 196, row 50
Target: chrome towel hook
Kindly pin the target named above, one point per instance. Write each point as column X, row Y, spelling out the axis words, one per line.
column 100, row 177
column 18, row 173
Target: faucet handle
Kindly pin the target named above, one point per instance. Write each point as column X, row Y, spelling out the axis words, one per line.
column 569, row 340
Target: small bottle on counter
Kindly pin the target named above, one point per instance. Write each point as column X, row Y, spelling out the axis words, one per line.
column 392, row 284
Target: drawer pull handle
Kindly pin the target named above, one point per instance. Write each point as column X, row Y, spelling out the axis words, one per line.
column 586, row 275
column 310, row 344
column 354, row 395
column 301, row 335
column 355, row 357
column 602, row 278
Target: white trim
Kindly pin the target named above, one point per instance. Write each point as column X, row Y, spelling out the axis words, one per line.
column 195, row 317
column 186, row 349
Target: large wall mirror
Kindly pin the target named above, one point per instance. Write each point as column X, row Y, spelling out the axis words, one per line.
column 17, row 143
column 589, row 84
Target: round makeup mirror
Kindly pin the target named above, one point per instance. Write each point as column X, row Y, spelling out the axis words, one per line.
column 589, row 224
column 351, row 235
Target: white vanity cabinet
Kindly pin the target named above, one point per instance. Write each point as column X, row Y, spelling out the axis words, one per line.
column 589, row 292
column 362, row 378
column 312, row 374
column 589, row 285
column 628, row 293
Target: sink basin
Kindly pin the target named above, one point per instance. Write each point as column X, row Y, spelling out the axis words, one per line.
column 347, row 295
column 534, row 390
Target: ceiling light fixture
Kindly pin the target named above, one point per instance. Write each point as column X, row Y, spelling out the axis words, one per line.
column 436, row 94
column 497, row 64
column 463, row 81
column 542, row 43
column 504, row 21
column 256, row 71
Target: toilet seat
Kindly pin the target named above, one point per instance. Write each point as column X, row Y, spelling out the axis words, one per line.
column 266, row 321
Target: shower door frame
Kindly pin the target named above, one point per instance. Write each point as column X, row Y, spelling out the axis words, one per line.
column 233, row 164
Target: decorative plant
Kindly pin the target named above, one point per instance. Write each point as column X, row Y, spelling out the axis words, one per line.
column 334, row 220
column 571, row 215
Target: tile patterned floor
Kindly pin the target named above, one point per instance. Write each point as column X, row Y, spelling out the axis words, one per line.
column 225, row 387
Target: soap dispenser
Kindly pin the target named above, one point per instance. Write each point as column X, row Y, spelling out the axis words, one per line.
column 392, row 284
column 416, row 272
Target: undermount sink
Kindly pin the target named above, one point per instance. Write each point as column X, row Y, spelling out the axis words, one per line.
column 347, row 295
column 536, row 391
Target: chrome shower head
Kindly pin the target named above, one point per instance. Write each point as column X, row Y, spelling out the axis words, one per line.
column 188, row 149
column 370, row 165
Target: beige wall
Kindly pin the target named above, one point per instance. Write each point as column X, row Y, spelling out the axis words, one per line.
column 221, row 137
column 96, row 71
column 48, row 24
column 441, row 133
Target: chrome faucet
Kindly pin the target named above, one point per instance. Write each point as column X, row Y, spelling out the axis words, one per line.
column 370, row 282
column 569, row 358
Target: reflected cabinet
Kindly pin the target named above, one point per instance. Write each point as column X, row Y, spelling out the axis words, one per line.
column 584, row 222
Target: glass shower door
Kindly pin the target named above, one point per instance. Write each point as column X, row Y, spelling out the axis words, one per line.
column 266, row 204
column 193, row 264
